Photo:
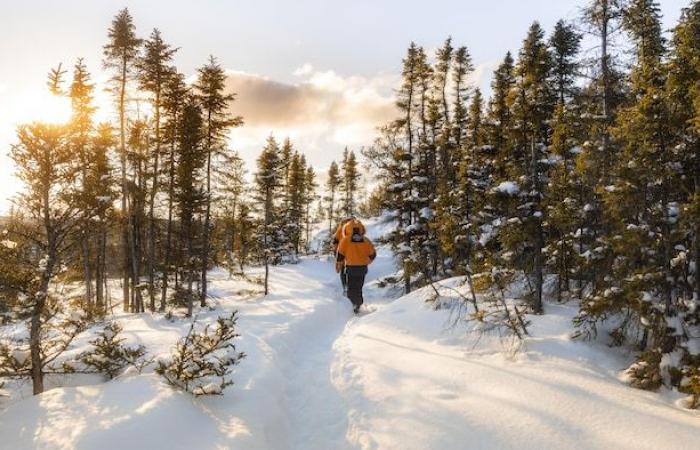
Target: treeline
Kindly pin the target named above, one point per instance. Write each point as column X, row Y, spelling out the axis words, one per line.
column 577, row 175
column 155, row 200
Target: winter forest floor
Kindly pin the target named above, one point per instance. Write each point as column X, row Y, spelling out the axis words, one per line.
column 317, row 377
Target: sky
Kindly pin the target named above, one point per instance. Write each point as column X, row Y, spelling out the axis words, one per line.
column 321, row 72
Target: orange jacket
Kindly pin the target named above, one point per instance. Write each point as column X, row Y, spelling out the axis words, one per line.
column 338, row 236
column 352, row 253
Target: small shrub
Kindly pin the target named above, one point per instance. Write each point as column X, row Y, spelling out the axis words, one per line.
column 201, row 363
column 110, row 356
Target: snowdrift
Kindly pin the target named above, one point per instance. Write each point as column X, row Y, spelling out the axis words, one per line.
column 397, row 377
column 414, row 382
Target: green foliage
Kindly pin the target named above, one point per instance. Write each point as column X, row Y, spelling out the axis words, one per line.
column 110, row 356
column 202, row 362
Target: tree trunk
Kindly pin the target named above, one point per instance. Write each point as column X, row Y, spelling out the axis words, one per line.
column 125, row 213
column 539, row 238
column 207, row 218
column 169, row 233
column 151, row 219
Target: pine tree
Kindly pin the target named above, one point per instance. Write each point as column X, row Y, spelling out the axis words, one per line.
column 565, row 43
column 498, row 121
column 138, row 144
column 350, row 178
column 101, row 184
column 120, row 56
column 232, row 186
column 268, row 180
column 332, row 188
column 403, row 188
column 155, row 69
column 46, row 166
column 563, row 204
column 522, row 236
column 296, row 188
column 603, row 19
column 642, row 210
column 190, row 191
column 684, row 102
column 210, row 87
column 81, row 128
column 310, row 188
column 174, row 96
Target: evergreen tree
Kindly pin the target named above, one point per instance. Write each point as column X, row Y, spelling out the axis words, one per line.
column 120, row 56
column 46, row 165
column 232, row 186
column 522, row 234
column 81, row 128
column 350, row 178
column 210, row 87
column 297, row 192
column 310, row 188
column 642, row 211
column 332, row 188
column 174, row 94
column 101, row 184
column 684, row 103
column 268, row 180
column 154, row 72
column 190, row 192
column 565, row 43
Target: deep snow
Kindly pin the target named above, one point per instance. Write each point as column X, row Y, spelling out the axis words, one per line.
column 318, row 377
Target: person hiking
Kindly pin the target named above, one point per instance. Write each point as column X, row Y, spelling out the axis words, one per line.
column 355, row 253
column 337, row 237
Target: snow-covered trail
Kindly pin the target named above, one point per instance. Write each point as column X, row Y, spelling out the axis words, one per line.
column 283, row 398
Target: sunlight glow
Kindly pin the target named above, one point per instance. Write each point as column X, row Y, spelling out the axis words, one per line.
column 45, row 107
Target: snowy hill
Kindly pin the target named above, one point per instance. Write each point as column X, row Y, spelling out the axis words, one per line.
column 317, row 377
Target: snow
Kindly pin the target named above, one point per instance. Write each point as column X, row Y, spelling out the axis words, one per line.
column 396, row 377
column 8, row 244
column 508, row 187
column 426, row 213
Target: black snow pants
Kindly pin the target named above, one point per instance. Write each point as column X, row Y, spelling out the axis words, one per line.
column 355, row 279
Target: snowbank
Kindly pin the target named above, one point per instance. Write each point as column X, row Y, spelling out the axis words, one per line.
column 319, row 378
column 411, row 383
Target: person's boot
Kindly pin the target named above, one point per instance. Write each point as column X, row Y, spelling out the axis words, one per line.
column 356, row 309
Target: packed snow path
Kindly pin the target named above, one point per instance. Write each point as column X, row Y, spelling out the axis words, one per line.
column 319, row 378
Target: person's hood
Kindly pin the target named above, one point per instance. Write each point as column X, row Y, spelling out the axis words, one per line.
column 348, row 227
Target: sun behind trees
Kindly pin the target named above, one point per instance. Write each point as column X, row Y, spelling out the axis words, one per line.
column 155, row 199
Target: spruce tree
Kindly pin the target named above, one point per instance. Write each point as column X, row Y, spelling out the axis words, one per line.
column 154, row 71
column 46, row 165
column 174, row 96
column 641, row 210
column 81, row 128
column 268, row 180
column 350, row 178
column 190, row 192
column 120, row 56
column 332, row 188
column 684, row 104
column 532, row 102
column 210, row 88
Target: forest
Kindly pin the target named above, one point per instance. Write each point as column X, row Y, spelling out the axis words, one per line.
column 575, row 182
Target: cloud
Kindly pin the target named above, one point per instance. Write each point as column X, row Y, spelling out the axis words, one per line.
column 322, row 113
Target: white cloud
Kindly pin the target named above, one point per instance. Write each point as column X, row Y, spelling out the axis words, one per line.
column 321, row 114
column 303, row 70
